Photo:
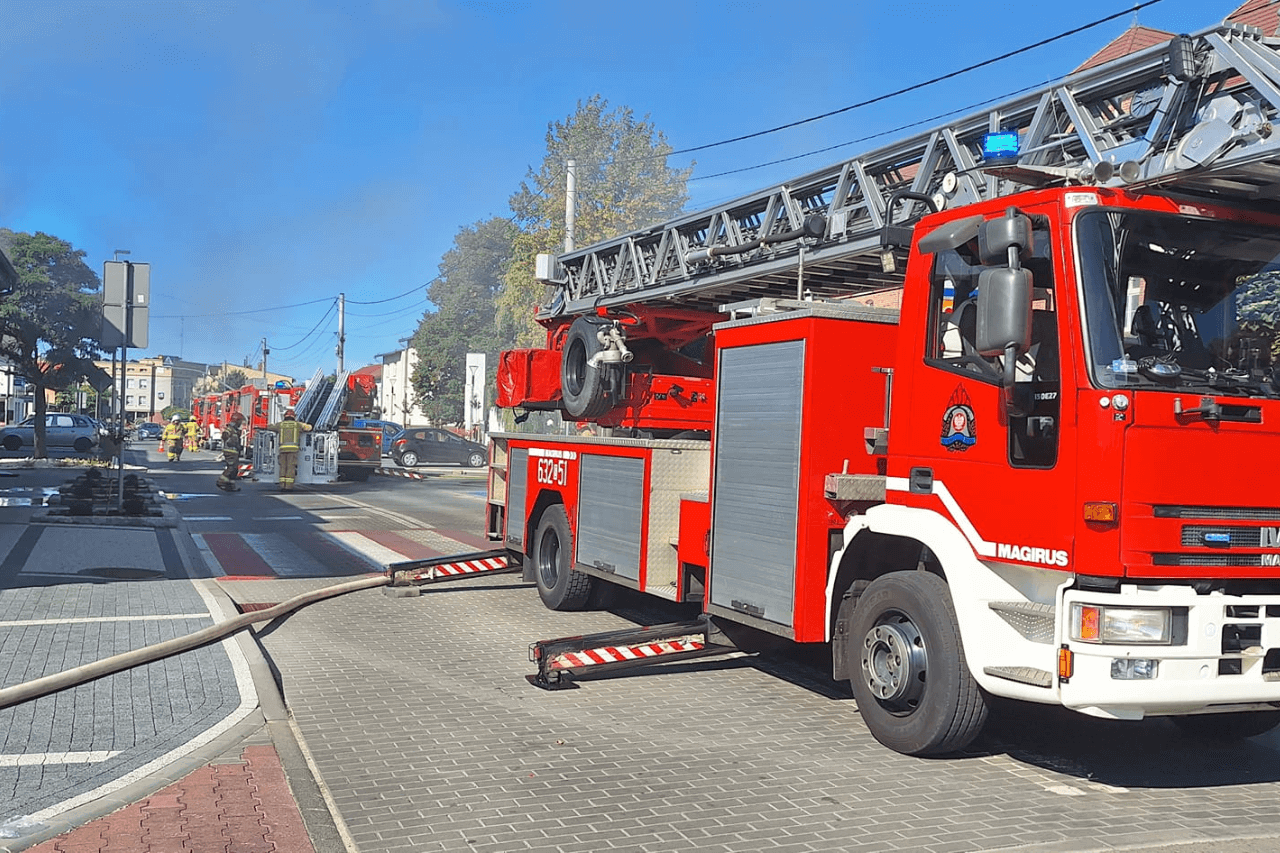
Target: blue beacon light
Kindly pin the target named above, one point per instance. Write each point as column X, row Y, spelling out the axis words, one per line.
column 1000, row 147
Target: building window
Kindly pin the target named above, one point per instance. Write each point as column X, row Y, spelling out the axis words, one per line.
column 142, row 383
column 129, row 399
column 133, row 383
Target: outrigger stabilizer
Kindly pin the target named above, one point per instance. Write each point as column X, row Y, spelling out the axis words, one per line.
column 560, row 660
column 406, row 577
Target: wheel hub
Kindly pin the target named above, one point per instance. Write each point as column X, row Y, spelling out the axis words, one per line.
column 549, row 560
column 894, row 664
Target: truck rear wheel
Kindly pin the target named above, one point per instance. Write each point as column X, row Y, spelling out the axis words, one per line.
column 588, row 391
column 909, row 675
column 560, row 586
column 1231, row 726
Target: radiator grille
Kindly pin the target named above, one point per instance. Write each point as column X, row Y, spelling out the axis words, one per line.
column 1233, row 513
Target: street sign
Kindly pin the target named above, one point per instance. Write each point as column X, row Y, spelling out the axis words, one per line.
column 126, row 304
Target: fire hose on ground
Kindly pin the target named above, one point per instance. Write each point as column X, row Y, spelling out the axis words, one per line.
column 407, row 574
column 218, row 631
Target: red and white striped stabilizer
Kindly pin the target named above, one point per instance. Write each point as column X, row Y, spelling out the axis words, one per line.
column 396, row 472
column 459, row 569
column 616, row 654
column 245, row 469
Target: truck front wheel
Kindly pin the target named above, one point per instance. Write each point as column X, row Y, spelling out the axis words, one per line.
column 909, row 675
column 559, row 586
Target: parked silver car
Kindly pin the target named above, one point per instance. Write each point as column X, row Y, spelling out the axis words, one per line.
column 60, row 430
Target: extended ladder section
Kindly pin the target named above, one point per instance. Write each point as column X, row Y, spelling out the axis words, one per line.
column 312, row 400
column 331, row 411
column 1193, row 117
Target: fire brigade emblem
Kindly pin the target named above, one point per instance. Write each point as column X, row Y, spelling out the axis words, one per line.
column 958, row 432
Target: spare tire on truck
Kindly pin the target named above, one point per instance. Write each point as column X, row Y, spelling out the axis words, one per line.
column 588, row 391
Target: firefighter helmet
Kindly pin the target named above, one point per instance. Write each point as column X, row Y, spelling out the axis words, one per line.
column 290, row 413
column 236, row 417
column 177, row 419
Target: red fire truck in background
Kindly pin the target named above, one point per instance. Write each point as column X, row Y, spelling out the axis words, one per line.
column 258, row 405
column 980, row 410
column 335, row 447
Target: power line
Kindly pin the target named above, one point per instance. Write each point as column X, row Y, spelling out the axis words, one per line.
column 237, row 313
column 304, row 338
column 872, row 136
column 917, row 86
column 408, row 292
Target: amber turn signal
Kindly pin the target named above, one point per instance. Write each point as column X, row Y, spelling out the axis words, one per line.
column 1066, row 663
column 1104, row 513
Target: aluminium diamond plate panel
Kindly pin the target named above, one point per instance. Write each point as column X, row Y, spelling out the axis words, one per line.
column 672, row 474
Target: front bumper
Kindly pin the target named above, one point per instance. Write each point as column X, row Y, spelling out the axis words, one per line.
column 1226, row 656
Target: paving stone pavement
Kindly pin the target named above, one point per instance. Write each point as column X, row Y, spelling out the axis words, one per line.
column 426, row 733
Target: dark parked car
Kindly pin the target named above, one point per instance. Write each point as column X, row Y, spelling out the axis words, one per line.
column 147, row 431
column 60, row 430
column 425, row 446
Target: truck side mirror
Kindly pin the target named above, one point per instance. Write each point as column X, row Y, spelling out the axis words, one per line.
column 997, row 236
column 1004, row 294
column 1004, row 312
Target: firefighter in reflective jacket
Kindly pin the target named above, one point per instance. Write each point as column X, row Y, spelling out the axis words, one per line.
column 173, row 437
column 192, row 435
column 290, row 431
column 231, row 442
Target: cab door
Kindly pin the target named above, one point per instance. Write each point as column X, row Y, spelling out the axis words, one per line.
column 434, row 446
column 995, row 463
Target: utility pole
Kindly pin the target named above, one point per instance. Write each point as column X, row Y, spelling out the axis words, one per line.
column 342, row 337
column 265, row 351
column 570, row 201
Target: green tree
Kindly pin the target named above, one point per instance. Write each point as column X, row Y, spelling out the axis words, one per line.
column 471, row 276
column 234, row 380
column 623, row 184
column 49, row 327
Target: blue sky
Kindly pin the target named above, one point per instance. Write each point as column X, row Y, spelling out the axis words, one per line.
column 267, row 154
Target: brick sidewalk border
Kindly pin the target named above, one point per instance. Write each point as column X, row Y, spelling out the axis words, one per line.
column 240, row 807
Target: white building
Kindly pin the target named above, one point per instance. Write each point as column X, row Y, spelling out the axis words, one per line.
column 395, row 392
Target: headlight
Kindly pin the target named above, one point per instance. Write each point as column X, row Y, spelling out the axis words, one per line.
column 1134, row 625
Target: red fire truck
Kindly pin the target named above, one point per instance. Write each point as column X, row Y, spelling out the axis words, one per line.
column 979, row 409
column 335, row 447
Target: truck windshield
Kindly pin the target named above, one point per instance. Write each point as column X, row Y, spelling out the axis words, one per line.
column 1181, row 302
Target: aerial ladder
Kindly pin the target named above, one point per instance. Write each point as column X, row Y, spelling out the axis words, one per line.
column 1192, row 117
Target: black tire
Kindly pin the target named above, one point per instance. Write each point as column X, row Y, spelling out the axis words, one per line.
column 82, row 445
column 12, row 442
column 476, row 460
column 1236, row 725
column 588, row 392
column 907, row 666
column 560, row 586
column 408, row 459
